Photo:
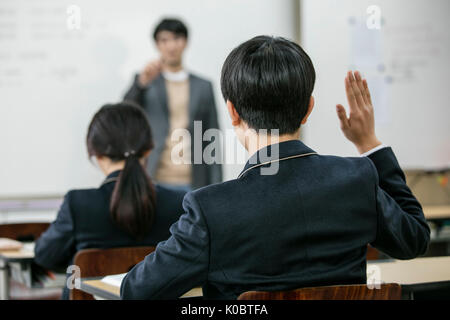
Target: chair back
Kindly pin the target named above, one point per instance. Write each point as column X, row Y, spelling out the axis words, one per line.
column 372, row 253
column 23, row 231
column 389, row 291
column 103, row 262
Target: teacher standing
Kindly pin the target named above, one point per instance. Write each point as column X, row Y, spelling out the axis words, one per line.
column 174, row 98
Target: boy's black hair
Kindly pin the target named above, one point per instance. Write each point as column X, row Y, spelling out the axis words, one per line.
column 172, row 25
column 270, row 81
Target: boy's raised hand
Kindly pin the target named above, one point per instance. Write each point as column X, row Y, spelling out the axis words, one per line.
column 359, row 127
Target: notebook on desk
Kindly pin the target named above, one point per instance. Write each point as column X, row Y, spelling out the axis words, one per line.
column 114, row 279
column 7, row 244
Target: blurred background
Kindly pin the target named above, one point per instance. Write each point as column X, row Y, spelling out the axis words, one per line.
column 60, row 61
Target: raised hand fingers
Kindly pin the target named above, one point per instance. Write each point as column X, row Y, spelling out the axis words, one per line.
column 367, row 92
column 351, row 98
column 342, row 117
column 359, row 82
column 356, row 90
column 158, row 64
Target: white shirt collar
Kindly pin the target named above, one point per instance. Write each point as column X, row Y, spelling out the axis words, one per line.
column 178, row 76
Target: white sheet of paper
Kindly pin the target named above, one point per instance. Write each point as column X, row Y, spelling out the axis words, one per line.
column 366, row 50
column 10, row 244
column 114, row 279
column 380, row 91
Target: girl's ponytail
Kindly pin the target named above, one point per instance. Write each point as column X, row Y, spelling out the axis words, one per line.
column 121, row 132
column 133, row 199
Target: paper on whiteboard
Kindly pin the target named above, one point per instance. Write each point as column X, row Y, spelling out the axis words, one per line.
column 366, row 50
column 379, row 87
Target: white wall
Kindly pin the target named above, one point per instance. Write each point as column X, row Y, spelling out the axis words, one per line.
column 407, row 65
column 28, row 216
column 52, row 80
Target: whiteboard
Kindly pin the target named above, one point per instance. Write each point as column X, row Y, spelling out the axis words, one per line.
column 406, row 63
column 53, row 78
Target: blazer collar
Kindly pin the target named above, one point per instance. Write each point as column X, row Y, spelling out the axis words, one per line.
column 112, row 177
column 160, row 89
column 194, row 94
column 286, row 150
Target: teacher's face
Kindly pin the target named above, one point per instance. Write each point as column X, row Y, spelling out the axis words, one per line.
column 171, row 47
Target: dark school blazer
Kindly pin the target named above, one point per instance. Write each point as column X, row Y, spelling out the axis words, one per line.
column 307, row 225
column 83, row 221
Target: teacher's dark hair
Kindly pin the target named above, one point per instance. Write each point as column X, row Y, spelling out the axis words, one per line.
column 270, row 81
column 173, row 25
column 121, row 132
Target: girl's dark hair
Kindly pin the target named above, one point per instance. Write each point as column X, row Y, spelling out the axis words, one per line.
column 121, row 132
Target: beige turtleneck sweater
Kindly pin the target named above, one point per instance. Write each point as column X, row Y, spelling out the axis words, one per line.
column 178, row 104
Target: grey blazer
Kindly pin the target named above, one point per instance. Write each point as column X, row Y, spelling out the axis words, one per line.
column 202, row 107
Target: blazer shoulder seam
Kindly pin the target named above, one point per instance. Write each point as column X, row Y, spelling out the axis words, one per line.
column 207, row 230
column 374, row 171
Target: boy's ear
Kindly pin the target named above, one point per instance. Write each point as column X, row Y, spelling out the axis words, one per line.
column 310, row 109
column 235, row 119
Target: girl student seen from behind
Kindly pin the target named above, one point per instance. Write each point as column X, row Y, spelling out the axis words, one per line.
column 126, row 209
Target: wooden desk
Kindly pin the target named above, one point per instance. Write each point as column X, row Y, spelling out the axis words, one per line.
column 436, row 212
column 417, row 275
column 26, row 254
column 99, row 289
column 24, row 287
column 419, row 270
column 102, row 290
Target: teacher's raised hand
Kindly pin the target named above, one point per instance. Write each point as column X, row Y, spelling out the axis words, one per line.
column 150, row 72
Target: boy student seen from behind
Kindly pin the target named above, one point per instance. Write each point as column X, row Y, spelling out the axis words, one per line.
column 308, row 224
column 127, row 209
